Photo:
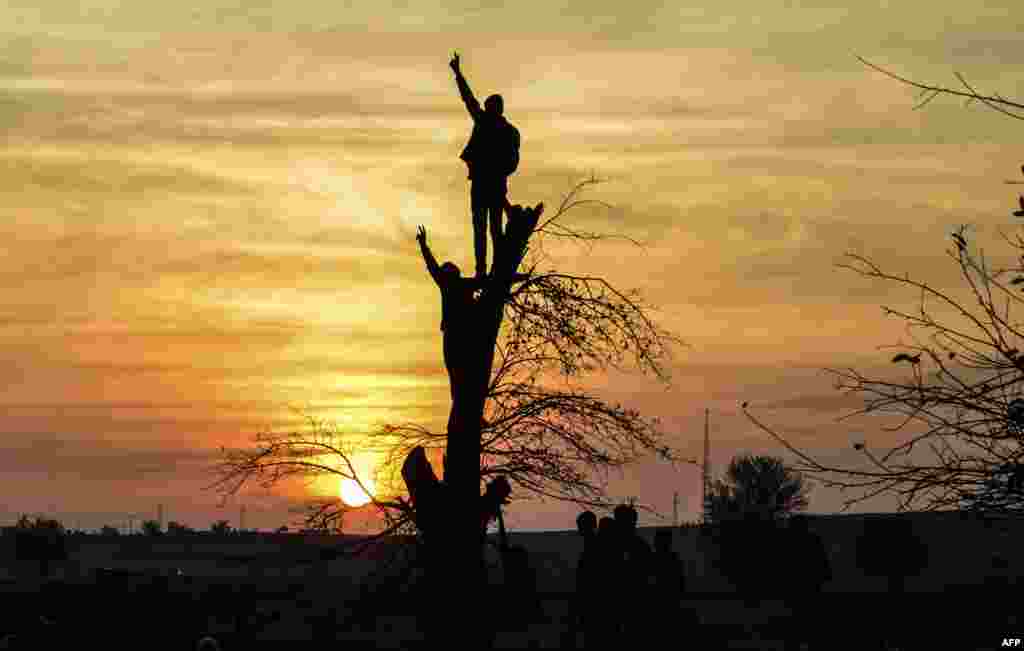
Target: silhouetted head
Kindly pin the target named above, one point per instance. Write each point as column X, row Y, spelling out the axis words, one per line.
column 586, row 523
column 625, row 517
column 451, row 271
column 606, row 527
column 663, row 540
column 494, row 105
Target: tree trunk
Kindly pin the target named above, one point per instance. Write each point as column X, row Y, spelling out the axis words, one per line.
column 462, row 554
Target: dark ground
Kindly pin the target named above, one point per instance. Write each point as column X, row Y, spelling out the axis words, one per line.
column 265, row 590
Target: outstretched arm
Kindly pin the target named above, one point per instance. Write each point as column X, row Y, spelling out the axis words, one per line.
column 428, row 256
column 472, row 105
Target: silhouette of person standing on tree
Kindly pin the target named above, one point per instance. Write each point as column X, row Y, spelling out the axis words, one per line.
column 457, row 324
column 491, row 155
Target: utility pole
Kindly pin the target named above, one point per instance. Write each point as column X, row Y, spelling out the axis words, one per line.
column 675, row 509
column 705, row 479
column 160, row 515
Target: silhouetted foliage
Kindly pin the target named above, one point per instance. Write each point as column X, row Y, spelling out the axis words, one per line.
column 747, row 510
column 756, row 487
column 151, row 528
column 220, row 527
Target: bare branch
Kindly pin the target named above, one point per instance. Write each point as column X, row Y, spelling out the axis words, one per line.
column 955, row 400
column 994, row 102
column 555, row 225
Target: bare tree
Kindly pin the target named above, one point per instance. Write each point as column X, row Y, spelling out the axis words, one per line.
column 322, row 449
column 552, row 439
column 962, row 400
column 548, row 437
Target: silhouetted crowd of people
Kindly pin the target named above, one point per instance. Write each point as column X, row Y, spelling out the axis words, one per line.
column 620, row 581
column 624, row 587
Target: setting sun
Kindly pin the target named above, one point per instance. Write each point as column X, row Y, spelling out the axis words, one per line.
column 352, row 494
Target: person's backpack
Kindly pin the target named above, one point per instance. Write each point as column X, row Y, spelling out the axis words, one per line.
column 513, row 148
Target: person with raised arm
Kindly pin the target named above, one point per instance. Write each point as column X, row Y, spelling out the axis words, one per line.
column 492, row 154
column 458, row 325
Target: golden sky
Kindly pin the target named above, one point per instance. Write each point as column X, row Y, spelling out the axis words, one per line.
column 209, row 215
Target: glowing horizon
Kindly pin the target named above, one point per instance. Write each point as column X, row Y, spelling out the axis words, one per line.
column 210, row 215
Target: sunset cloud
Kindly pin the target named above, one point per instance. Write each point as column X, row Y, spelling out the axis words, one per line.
column 209, row 211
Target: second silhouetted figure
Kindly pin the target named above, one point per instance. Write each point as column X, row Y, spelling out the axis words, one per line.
column 458, row 326
column 491, row 155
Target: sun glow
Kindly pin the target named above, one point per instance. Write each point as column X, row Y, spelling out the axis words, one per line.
column 356, row 460
column 352, row 494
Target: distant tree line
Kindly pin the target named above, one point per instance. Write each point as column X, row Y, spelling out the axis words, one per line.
column 26, row 525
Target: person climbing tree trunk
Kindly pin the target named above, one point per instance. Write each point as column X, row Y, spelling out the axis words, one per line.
column 450, row 518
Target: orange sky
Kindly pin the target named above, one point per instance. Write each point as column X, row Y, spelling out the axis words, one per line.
column 209, row 215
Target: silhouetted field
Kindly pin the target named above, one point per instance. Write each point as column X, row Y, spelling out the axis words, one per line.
column 275, row 587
